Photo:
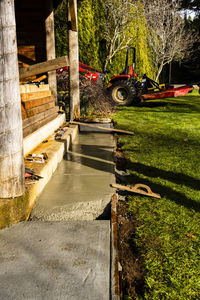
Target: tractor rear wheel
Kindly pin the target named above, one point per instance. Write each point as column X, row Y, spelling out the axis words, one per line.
column 123, row 93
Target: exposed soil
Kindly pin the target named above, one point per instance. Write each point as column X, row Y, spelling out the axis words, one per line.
column 133, row 270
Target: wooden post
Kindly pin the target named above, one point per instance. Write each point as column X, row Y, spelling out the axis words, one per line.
column 50, row 45
column 11, row 140
column 74, row 62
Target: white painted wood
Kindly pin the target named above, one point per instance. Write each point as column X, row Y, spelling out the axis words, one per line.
column 11, row 141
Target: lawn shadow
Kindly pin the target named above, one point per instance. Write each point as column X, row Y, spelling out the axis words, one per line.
column 178, row 178
column 152, row 104
column 183, row 104
column 165, row 191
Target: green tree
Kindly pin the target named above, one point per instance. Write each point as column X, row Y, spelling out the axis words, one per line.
column 97, row 25
column 136, row 36
column 61, row 29
column 88, row 44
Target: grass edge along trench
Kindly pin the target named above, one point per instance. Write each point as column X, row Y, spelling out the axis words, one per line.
column 164, row 153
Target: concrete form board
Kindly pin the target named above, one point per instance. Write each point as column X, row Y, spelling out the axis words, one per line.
column 58, row 260
column 114, row 264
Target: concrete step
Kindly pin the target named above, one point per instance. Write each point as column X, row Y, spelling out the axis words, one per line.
column 59, row 260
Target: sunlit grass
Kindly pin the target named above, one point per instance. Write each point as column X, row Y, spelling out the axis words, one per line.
column 165, row 154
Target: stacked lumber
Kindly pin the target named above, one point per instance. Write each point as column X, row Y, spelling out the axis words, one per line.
column 37, row 106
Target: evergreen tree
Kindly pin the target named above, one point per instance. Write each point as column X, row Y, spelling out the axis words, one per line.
column 61, row 29
column 93, row 49
column 137, row 30
column 88, row 45
column 99, row 19
column 143, row 53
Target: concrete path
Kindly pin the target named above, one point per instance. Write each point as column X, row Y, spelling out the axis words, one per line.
column 58, row 260
column 57, row 256
column 80, row 187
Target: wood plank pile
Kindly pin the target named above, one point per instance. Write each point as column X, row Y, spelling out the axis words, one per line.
column 38, row 107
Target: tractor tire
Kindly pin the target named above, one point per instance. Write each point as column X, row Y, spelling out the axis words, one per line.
column 124, row 93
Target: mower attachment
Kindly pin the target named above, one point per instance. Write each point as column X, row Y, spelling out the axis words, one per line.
column 176, row 92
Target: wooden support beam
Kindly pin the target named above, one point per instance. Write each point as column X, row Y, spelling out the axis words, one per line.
column 73, row 15
column 44, row 67
column 74, row 66
column 50, row 45
column 103, row 128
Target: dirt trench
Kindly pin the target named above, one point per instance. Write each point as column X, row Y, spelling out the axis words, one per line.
column 132, row 266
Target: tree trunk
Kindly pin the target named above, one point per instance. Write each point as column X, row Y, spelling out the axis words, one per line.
column 159, row 71
column 11, row 140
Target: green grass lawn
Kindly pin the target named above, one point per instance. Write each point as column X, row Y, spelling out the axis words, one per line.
column 164, row 153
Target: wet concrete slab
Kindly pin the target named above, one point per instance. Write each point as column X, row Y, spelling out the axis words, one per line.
column 80, row 187
column 55, row 260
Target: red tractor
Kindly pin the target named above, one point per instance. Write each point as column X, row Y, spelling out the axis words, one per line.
column 125, row 89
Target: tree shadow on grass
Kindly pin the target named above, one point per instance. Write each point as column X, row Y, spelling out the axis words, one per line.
column 178, row 178
column 171, row 107
column 152, row 104
column 166, row 191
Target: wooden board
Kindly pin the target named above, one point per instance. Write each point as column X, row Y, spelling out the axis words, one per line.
column 36, row 110
column 39, row 117
column 37, row 102
column 30, row 129
column 31, row 88
column 35, row 95
column 103, row 128
column 44, row 67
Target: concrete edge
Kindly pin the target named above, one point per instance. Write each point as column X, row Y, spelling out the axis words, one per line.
column 115, row 278
column 18, row 209
column 35, row 138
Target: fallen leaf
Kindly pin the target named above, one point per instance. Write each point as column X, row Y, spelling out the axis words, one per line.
column 190, row 235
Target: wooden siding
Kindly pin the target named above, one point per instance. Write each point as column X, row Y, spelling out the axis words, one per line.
column 37, row 107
